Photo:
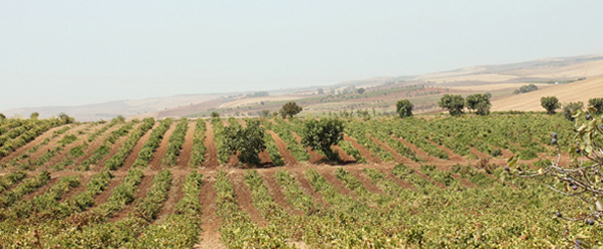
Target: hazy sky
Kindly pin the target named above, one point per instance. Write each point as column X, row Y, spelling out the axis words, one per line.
column 81, row 52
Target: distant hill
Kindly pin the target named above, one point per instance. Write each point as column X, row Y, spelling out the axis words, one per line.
column 109, row 110
column 381, row 93
column 572, row 92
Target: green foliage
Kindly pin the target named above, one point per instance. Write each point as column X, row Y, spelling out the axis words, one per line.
column 10, row 179
column 215, row 114
column 67, row 139
column 453, row 103
column 550, row 103
column 175, row 143
column 119, row 158
column 45, row 202
column 146, row 153
column 479, row 102
column 290, row 109
column 596, row 103
column 272, row 149
column 321, row 134
column 525, row 89
column 349, row 149
column 570, row 108
column 26, row 187
column 284, row 131
column 198, row 153
column 153, row 202
column 34, row 115
column 247, row 142
column 404, row 108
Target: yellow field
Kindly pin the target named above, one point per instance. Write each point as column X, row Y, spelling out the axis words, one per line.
column 577, row 91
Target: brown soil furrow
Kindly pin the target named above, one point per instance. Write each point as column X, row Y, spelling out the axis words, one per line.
column 366, row 181
column 397, row 180
column 174, row 195
column 211, row 154
column 131, row 158
column 451, row 155
column 210, row 222
column 52, row 143
column 345, row 158
column 282, row 148
column 363, row 151
column 305, row 185
column 96, row 143
column 84, row 179
column 61, row 155
column 314, row 156
column 479, row 153
column 329, row 175
column 244, row 198
column 276, row 192
column 187, row 147
column 103, row 196
column 397, row 157
column 141, row 193
column 265, row 159
column 28, row 146
column 114, row 148
column 40, row 191
column 422, row 154
column 155, row 162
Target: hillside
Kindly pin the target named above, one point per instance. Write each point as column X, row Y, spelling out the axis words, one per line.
column 577, row 91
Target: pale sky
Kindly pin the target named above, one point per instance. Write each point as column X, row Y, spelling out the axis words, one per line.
column 82, row 52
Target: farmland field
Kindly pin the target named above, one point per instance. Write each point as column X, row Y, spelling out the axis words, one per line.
column 423, row 182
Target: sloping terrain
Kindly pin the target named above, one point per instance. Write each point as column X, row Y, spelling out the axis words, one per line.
column 572, row 92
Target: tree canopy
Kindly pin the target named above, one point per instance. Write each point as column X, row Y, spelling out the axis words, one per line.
column 404, row 108
column 453, row 103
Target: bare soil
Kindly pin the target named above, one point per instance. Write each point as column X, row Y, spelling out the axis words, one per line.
column 211, row 154
column 155, row 162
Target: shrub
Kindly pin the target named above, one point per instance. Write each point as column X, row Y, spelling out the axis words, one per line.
column 290, row 109
column 570, row 108
column 404, row 108
column 453, row 103
column 321, row 134
column 597, row 103
column 248, row 142
column 550, row 103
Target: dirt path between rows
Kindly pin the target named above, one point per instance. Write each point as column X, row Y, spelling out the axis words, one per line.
column 211, row 154
column 174, row 195
column 363, row 151
column 282, row 148
column 187, row 146
column 38, row 140
column 244, row 199
column 210, row 222
column 155, row 163
column 141, row 193
column 131, row 158
column 276, row 193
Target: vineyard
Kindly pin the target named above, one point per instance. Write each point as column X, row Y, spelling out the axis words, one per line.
column 422, row 182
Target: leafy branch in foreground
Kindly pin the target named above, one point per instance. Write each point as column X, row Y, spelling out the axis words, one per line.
column 583, row 177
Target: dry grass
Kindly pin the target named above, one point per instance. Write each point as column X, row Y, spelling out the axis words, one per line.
column 577, row 91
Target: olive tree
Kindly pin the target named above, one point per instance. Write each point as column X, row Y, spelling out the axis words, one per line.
column 479, row 103
column 582, row 178
column 247, row 141
column 404, row 108
column 34, row 115
column 290, row 109
column 550, row 103
column 321, row 134
column 453, row 103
